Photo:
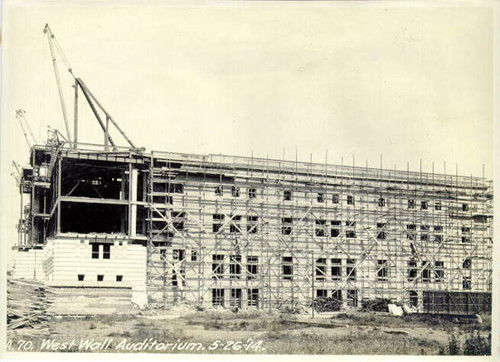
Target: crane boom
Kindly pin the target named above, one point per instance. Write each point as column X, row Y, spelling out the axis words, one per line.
column 50, row 37
column 20, row 117
column 84, row 87
column 21, row 113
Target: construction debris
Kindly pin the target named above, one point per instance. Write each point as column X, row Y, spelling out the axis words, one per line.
column 327, row 304
column 27, row 304
column 409, row 309
column 395, row 310
column 31, row 304
column 376, row 305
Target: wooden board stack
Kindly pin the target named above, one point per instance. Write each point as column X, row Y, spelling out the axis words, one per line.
column 27, row 305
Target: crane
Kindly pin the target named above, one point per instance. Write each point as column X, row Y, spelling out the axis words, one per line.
column 92, row 101
column 19, row 175
column 23, row 122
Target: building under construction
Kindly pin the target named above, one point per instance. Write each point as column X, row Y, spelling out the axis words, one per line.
column 245, row 232
column 251, row 232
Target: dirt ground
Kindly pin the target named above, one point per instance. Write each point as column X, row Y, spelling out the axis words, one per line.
column 183, row 331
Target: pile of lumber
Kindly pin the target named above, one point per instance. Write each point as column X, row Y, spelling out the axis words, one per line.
column 31, row 305
column 27, row 304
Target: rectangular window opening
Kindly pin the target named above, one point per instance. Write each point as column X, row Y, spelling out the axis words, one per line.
column 350, row 234
column 95, row 251
column 320, row 198
column 234, row 226
column 217, row 266
column 253, row 297
column 235, row 300
column 287, row 195
column 466, row 283
column 426, row 272
column 336, row 269
column 320, row 227
column 218, row 297
column 287, row 224
column 218, row 222
column 381, row 233
column 178, row 254
column 350, row 269
column 352, row 298
column 383, row 270
column 412, row 270
column 252, row 222
column 194, row 255
column 321, row 293
column 287, row 267
column 321, row 269
column 234, row 266
column 252, row 267
column 106, row 251
column 439, row 271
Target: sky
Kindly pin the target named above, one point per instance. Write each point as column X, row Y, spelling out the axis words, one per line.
column 409, row 83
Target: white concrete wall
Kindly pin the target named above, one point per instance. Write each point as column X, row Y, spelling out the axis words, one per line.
column 29, row 264
column 67, row 258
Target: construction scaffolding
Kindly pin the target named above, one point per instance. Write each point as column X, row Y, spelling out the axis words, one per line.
column 239, row 232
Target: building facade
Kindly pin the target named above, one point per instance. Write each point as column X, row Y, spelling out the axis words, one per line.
column 245, row 232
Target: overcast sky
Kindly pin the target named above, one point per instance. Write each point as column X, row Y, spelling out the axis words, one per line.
column 407, row 82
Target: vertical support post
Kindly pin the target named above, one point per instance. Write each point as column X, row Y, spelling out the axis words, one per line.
column 31, row 218
column 312, row 282
column 19, row 233
column 132, row 200
column 149, row 245
column 201, row 265
column 106, row 134
column 75, row 117
column 269, row 295
column 58, row 198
